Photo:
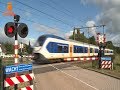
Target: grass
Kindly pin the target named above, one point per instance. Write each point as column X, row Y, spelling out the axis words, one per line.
column 94, row 66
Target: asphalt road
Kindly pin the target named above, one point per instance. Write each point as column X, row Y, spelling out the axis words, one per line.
column 64, row 76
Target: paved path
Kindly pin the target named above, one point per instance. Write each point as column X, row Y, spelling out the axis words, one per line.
column 63, row 76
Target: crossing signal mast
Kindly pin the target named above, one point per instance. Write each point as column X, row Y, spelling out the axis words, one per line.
column 13, row 29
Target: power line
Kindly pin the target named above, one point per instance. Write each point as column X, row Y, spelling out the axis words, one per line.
column 66, row 10
column 36, row 23
column 60, row 6
column 54, row 8
column 90, row 27
column 44, row 13
column 70, row 15
column 29, row 19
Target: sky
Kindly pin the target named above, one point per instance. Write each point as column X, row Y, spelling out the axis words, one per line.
column 59, row 17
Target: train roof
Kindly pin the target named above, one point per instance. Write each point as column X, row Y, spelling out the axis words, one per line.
column 51, row 36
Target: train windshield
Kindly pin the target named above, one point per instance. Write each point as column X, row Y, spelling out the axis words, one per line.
column 40, row 41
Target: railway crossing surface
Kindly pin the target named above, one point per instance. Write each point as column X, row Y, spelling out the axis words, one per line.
column 64, row 76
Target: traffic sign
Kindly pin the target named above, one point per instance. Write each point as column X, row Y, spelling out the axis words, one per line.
column 17, row 68
column 106, row 58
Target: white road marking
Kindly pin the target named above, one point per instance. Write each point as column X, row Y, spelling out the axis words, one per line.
column 74, row 77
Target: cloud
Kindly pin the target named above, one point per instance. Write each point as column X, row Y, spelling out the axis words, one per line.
column 68, row 34
column 93, row 29
column 109, row 15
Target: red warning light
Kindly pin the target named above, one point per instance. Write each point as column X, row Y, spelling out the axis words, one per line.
column 10, row 29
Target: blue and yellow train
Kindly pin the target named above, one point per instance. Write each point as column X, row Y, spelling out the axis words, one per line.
column 51, row 47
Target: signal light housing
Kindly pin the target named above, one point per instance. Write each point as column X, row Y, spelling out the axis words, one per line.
column 9, row 29
column 22, row 30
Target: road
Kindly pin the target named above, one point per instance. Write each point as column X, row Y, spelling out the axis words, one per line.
column 64, row 76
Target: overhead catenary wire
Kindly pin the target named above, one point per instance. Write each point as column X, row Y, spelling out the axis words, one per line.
column 55, row 8
column 70, row 13
column 59, row 20
column 36, row 22
column 41, row 12
column 58, row 10
column 30, row 19
column 61, row 6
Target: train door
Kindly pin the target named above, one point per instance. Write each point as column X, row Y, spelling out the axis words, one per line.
column 71, row 50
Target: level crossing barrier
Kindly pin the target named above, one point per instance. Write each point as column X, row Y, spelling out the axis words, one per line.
column 25, row 77
column 81, row 59
column 106, row 62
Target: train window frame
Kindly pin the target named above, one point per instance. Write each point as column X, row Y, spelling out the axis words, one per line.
column 81, row 49
column 66, row 49
column 96, row 50
column 41, row 40
column 60, row 49
column 91, row 50
column 85, row 49
column 75, row 49
column 78, row 49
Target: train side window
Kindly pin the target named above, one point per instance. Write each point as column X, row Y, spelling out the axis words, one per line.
column 81, row 49
column 78, row 49
column 86, row 50
column 65, row 49
column 91, row 50
column 96, row 50
column 75, row 49
column 50, row 47
column 59, row 49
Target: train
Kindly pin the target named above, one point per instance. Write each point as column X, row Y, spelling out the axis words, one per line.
column 51, row 48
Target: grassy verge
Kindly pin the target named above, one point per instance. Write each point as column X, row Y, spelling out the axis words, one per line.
column 93, row 66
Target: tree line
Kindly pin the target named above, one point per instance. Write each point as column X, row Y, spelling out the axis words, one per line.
column 91, row 40
column 8, row 48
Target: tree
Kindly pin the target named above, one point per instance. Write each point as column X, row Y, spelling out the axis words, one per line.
column 9, row 48
column 78, row 37
column 109, row 45
column 92, row 40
